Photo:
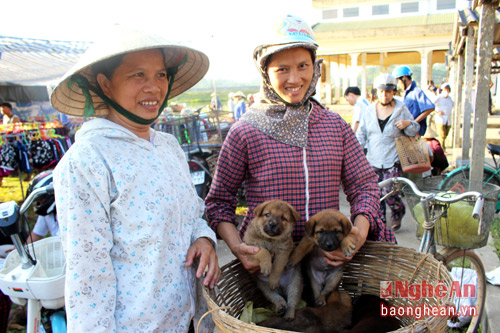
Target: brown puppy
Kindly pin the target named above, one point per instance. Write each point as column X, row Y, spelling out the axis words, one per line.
column 330, row 318
column 327, row 230
column 271, row 230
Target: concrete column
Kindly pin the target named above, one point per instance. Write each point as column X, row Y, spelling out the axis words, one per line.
column 363, row 75
column 429, row 69
column 457, row 93
column 326, row 90
column 354, row 69
column 423, row 66
column 338, row 87
column 345, row 78
column 467, row 106
column 382, row 67
column 483, row 71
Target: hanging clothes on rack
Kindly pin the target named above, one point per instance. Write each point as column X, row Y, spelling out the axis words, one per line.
column 35, row 146
column 8, row 159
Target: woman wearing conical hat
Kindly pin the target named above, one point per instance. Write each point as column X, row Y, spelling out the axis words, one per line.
column 130, row 218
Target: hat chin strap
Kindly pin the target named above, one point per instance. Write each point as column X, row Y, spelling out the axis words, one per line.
column 89, row 110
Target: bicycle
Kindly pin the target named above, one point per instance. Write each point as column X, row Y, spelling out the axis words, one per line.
column 491, row 173
column 37, row 280
column 455, row 219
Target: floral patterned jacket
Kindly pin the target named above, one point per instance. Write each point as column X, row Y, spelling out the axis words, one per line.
column 128, row 213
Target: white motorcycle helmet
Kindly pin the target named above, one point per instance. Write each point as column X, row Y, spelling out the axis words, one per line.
column 385, row 82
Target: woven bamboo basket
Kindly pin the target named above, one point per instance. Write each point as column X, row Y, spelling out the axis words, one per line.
column 375, row 262
column 413, row 154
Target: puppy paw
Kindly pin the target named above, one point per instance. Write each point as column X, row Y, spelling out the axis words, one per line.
column 289, row 315
column 320, row 301
column 281, row 309
column 274, row 282
column 265, row 269
column 348, row 247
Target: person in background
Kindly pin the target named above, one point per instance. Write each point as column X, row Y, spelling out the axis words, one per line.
column 130, row 219
column 431, row 88
column 215, row 103
column 415, row 99
column 240, row 107
column 289, row 147
column 373, row 95
column 353, row 97
column 380, row 124
column 439, row 161
column 230, row 103
column 251, row 99
column 444, row 105
column 8, row 116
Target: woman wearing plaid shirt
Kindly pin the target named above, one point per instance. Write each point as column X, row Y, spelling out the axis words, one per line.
column 290, row 147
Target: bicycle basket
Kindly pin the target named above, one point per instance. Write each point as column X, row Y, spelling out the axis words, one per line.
column 455, row 227
column 46, row 281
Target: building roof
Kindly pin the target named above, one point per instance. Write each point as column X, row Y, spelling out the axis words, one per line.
column 422, row 20
column 28, row 61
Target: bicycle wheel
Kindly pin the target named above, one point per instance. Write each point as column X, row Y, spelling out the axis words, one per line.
column 469, row 260
column 465, row 174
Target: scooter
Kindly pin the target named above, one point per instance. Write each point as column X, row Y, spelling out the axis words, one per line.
column 35, row 276
column 200, row 170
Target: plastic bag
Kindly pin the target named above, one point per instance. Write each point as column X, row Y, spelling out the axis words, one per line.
column 462, row 304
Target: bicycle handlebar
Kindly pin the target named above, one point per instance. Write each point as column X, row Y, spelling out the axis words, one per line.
column 478, row 206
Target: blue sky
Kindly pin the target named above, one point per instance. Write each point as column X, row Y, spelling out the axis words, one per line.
column 226, row 30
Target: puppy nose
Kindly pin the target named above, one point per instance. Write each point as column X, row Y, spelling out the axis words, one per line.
column 272, row 223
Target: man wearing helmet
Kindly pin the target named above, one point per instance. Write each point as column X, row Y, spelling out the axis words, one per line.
column 382, row 122
column 290, row 147
column 415, row 99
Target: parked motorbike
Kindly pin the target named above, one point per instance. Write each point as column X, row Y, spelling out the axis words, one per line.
column 200, row 170
column 35, row 276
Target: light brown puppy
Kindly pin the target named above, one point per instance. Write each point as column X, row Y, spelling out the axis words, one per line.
column 271, row 230
column 327, row 231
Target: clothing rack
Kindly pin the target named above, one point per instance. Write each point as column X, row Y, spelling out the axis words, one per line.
column 21, row 130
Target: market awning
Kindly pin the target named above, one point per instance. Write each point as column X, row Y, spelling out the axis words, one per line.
column 27, row 61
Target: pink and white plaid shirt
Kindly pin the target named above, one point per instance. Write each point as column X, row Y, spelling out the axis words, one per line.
column 309, row 178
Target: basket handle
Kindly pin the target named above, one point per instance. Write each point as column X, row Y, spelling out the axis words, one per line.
column 207, row 313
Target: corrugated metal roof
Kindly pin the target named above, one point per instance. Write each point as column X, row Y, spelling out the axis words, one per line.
column 467, row 16
column 29, row 61
column 387, row 23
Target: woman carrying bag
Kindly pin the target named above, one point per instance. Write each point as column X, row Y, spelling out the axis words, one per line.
column 383, row 122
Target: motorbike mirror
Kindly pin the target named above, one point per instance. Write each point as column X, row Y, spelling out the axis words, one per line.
column 9, row 218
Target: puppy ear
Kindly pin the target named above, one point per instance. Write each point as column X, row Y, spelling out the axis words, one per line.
column 310, row 225
column 346, row 225
column 295, row 214
column 258, row 210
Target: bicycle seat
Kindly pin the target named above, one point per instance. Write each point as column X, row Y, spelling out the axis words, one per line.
column 495, row 149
